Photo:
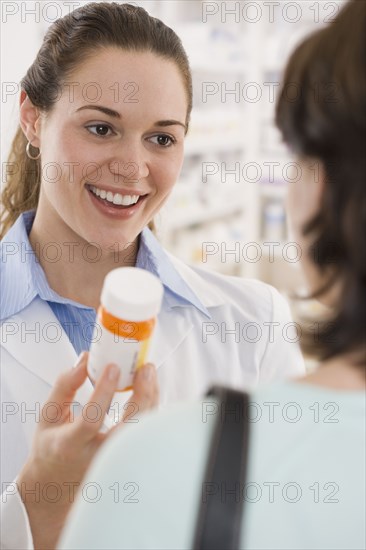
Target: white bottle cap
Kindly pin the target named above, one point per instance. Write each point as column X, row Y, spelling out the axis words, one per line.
column 132, row 294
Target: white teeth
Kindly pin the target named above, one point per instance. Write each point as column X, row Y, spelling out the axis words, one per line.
column 127, row 200
column 115, row 198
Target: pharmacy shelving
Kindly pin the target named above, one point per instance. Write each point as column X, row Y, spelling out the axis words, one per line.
column 201, row 215
column 210, row 202
column 229, row 127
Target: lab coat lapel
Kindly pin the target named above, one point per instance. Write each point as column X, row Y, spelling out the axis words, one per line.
column 174, row 324
column 48, row 356
column 172, row 329
column 37, row 341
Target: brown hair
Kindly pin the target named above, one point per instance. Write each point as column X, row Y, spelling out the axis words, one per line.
column 68, row 42
column 327, row 121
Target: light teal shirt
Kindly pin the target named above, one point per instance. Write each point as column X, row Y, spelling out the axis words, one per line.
column 305, row 487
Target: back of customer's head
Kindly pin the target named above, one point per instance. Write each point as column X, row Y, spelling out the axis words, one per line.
column 327, row 121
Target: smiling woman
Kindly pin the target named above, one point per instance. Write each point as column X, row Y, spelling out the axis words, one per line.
column 104, row 110
column 122, row 149
column 70, row 42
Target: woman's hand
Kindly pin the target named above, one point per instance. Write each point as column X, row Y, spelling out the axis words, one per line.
column 64, row 445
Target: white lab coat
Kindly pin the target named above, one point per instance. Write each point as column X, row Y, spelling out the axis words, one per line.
column 190, row 351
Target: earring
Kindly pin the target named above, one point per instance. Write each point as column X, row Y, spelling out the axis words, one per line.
column 27, row 150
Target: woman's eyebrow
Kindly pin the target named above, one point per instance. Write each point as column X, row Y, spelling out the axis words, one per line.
column 105, row 110
column 115, row 114
column 164, row 123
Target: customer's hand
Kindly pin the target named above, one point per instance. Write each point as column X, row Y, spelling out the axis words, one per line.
column 64, row 445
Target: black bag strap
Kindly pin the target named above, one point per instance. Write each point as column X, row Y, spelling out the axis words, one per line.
column 221, row 507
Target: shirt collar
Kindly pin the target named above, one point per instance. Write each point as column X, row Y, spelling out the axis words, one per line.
column 22, row 277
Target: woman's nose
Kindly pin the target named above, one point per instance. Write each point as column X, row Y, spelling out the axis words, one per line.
column 130, row 166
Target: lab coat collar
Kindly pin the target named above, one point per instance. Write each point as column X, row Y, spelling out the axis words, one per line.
column 210, row 295
column 154, row 258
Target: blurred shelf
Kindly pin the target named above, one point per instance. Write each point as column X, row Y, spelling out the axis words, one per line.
column 202, row 215
column 208, row 144
column 276, row 250
column 278, row 190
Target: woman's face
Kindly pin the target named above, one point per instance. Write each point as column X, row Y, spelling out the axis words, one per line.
column 112, row 147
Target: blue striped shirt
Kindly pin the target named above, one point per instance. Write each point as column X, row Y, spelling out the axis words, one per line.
column 23, row 279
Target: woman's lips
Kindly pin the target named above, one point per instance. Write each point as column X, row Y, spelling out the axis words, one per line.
column 115, row 210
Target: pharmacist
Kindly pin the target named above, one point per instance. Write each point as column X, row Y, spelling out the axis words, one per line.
column 66, row 228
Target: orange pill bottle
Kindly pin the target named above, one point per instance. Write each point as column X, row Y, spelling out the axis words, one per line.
column 130, row 302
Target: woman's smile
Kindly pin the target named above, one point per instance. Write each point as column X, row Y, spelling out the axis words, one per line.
column 120, row 205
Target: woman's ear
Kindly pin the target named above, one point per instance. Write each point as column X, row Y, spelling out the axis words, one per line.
column 29, row 120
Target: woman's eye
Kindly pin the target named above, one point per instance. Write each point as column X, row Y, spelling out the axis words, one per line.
column 99, row 129
column 163, row 140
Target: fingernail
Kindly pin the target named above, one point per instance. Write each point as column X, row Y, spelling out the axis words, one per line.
column 113, row 372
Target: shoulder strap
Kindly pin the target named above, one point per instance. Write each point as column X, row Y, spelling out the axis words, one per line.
column 221, row 507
